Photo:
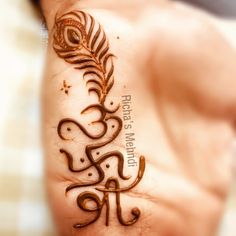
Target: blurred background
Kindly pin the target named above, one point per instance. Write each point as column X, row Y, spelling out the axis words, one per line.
column 224, row 8
column 23, row 207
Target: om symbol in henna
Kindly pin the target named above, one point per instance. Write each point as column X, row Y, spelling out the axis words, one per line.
column 81, row 41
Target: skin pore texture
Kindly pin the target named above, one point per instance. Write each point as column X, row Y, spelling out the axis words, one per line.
column 138, row 118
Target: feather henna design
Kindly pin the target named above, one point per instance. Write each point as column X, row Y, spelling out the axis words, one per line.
column 81, row 41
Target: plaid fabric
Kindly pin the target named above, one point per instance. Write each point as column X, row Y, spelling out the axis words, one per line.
column 23, row 208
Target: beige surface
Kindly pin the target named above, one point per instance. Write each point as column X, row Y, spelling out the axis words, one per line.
column 23, row 208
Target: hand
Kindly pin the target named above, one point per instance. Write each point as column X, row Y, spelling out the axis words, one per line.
column 178, row 72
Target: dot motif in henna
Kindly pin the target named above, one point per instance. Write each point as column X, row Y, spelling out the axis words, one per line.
column 79, row 40
column 66, row 88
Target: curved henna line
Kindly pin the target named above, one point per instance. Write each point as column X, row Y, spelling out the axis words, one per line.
column 101, row 159
column 85, row 17
column 120, row 158
column 89, row 149
column 107, row 202
column 74, row 53
column 83, row 197
column 74, row 13
column 70, row 161
column 86, row 65
column 81, row 202
column 91, row 28
column 98, row 163
column 100, row 179
column 96, row 91
column 101, row 108
column 93, row 73
column 95, row 82
column 111, row 111
column 106, row 58
column 95, row 38
column 68, row 55
column 81, row 67
column 110, row 73
column 103, row 53
column 114, row 136
column 97, row 107
column 101, row 44
column 136, row 181
column 69, row 158
column 135, row 211
column 110, row 87
column 82, row 128
column 81, row 60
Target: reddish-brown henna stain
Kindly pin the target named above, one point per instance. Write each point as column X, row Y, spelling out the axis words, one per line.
column 80, row 41
column 66, row 87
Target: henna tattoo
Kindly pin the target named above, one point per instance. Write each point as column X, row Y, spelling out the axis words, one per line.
column 81, row 41
column 66, row 87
